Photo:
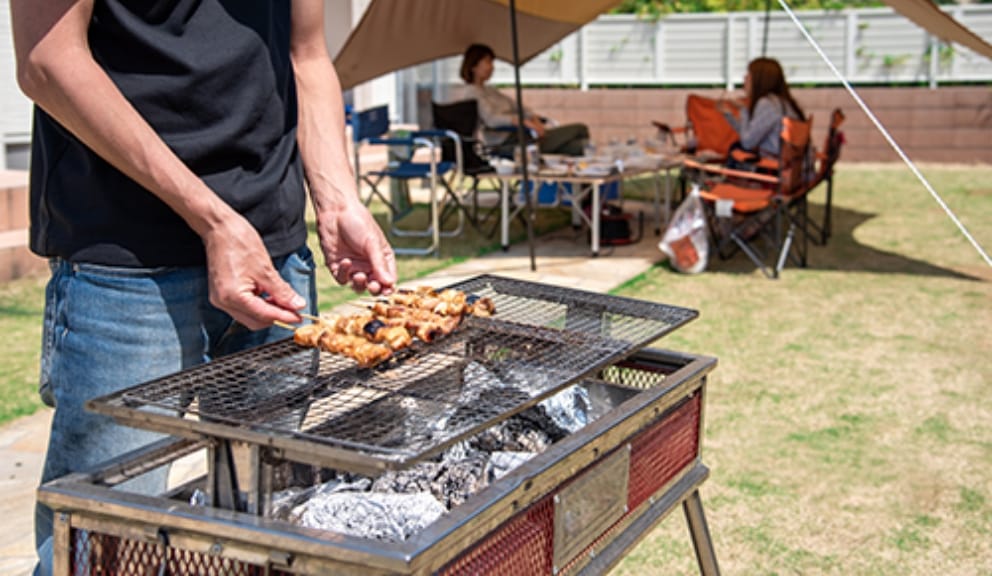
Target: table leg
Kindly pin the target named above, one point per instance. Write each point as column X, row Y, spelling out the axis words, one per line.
column 657, row 203
column 668, row 195
column 504, row 222
column 596, row 212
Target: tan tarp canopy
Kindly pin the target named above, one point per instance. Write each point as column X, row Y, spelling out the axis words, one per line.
column 395, row 34
column 927, row 15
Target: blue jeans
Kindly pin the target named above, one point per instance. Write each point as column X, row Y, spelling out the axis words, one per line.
column 109, row 328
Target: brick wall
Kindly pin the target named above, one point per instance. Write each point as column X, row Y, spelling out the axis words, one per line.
column 15, row 258
column 950, row 124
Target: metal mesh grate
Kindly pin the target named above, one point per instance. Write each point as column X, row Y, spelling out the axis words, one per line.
column 93, row 554
column 541, row 339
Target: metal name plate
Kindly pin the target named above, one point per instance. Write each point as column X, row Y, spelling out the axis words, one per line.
column 591, row 504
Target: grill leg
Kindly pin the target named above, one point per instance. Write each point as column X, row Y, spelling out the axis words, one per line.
column 223, row 479
column 700, row 533
column 62, row 554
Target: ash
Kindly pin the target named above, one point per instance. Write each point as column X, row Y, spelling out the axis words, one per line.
column 397, row 505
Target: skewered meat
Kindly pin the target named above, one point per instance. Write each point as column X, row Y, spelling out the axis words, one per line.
column 392, row 323
column 424, row 323
column 396, row 337
column 355, row 347
column 323, row 336
column 448, row 302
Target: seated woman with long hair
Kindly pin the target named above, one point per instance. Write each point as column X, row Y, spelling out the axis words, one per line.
column 768, row 100
column 497, row 109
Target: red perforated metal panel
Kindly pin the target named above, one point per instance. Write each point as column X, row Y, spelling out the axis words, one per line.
column 659, row 453
column 522, row 547
column 95, row 554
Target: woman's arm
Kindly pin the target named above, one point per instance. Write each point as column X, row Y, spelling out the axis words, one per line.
column 766, row 119
column 495, row 108
column 56, row 69
column 498, row 109
column 354, row 247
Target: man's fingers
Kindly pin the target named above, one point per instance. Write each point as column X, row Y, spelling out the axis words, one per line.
column 256, row 313
column 383, row 264
column 281, row 294
column 359, row 281
column 341, row 270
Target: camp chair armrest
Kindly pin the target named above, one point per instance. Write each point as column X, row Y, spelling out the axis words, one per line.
column 434, row 133
column 510, row 129
column 668, row 128
column 392, row 141
column 731, row 173
column 769, row 164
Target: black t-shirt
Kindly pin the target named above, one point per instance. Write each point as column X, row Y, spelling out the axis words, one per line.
column 214, row 79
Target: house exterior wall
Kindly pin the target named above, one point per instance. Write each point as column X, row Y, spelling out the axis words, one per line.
column 952, row 124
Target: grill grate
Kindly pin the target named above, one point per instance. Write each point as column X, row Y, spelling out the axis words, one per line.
column 541, row 339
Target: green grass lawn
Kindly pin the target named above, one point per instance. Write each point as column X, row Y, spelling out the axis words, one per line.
column 849, row 421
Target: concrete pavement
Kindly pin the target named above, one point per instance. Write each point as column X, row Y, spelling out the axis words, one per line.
column 563, row 259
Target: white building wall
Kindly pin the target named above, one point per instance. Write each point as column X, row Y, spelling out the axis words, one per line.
column 15, row 108
column 340, row 17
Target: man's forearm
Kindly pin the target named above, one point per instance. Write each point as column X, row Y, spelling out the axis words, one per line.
column 321, row 133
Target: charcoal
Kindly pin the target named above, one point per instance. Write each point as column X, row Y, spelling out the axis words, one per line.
column 530, row 431
column 459, row 480
column 397, row 504
column 501, row 463
column 412, row 480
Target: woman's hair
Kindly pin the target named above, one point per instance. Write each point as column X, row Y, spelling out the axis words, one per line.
column 473, row 55
column 767, row 78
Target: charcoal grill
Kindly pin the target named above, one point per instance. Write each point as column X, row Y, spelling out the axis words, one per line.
column 574, row 509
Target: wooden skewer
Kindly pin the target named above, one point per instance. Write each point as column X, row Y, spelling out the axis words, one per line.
column 284, row 326
column 311, row 317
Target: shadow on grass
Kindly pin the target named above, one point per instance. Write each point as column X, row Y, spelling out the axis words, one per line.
column 844, row 253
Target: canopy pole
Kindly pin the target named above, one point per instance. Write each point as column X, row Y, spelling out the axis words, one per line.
column 886, row 135
column 522, row 135
column 764, row 38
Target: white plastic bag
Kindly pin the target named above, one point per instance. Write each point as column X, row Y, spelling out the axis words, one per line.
column 685, row 240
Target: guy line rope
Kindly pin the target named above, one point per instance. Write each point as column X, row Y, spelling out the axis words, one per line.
column 885, row 133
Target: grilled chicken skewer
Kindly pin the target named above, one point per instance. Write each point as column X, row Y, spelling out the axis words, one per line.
column 447, row 302
column 391, row 324
column 321, row 335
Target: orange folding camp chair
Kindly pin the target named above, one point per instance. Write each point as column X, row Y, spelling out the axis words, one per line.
column 745, row 208
column 826, row 159
column 706, row 134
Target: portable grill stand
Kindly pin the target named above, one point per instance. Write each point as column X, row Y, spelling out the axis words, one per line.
column 575, row 508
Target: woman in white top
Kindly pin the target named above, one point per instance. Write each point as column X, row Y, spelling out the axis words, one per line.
column 497, row 109
column 768, row 101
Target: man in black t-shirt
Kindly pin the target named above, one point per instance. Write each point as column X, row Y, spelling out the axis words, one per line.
column 173, row 144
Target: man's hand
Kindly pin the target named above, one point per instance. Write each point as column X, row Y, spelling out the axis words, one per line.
column 355, row 249
column 243, row 282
